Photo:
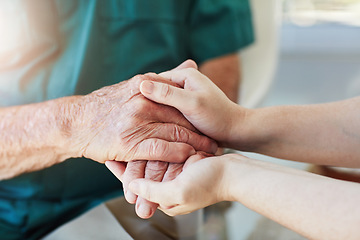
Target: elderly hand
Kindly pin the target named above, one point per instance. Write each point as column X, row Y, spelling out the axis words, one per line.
column 118, row 123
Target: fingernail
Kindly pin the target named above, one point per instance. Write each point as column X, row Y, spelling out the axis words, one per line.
column 147, row 87
column 144, row 210
column 130, row 197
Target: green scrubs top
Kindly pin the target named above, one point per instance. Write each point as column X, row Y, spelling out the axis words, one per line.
column 56, row 48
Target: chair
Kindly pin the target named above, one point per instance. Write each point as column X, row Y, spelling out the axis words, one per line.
column 260, row 59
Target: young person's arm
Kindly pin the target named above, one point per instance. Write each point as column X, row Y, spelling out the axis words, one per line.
column 314, row 206
column 327, row 134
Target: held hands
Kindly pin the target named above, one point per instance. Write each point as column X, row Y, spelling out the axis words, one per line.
column 118, row 123
column 152, row 132
column 201, row 183
column 151, row 170
column 183, row 188
column 199, row 99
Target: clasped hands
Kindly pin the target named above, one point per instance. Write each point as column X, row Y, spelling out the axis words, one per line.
column 139, row 138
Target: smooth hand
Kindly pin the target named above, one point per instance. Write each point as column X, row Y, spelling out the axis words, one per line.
column 118, row 123
column 199, row 99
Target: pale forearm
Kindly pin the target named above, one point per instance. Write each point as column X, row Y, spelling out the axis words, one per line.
column 34, row 136
column 314, row 206
column 327, row 134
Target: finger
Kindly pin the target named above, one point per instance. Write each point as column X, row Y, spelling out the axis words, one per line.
column 181, row 76
column 155, row 171
column 174, row 169
column 158, row 149
column 134, row 170
column 144, row 208
column 176, row 133
column 156, row 192
column 166, row 94
column 187, row 64
column 117, row 168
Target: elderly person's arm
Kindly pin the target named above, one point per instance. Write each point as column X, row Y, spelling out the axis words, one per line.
column 112, row 123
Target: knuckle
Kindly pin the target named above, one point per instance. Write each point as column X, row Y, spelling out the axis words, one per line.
column 166, row 91
column 179, row 134
column 157, row 147
column 138, row 107
column 151, row 75
column 154, row 167
column 139, row 78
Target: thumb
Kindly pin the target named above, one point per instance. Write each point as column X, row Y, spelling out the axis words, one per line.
column 156, row 192
column 166, row 94
column 187, row 64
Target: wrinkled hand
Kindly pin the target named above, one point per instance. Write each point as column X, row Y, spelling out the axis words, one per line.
column 118, row 123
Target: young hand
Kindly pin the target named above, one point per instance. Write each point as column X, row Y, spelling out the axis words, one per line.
column 199, row 99
column 201, row 183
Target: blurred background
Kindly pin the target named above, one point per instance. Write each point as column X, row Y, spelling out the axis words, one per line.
column 306, row 51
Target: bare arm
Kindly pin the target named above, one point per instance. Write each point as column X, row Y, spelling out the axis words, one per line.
column 113, row 123
column 311, row 205
column 327, row 134
column 33, row 137
column 314, row 206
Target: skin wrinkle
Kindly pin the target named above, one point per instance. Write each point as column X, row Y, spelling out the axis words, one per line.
column 11, row 166
column 225, row 77
column 131, row 136
column 137, row 112
column 93, row 125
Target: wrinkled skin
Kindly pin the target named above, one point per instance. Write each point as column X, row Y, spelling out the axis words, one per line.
column 125, row 126
column 157, row 170
column 118, row 123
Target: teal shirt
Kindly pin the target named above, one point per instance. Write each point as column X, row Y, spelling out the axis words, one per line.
column 72, row 47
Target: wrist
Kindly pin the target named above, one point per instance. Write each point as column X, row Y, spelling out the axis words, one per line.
column 69, row 116
column 240, row 130
column 238, row 170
